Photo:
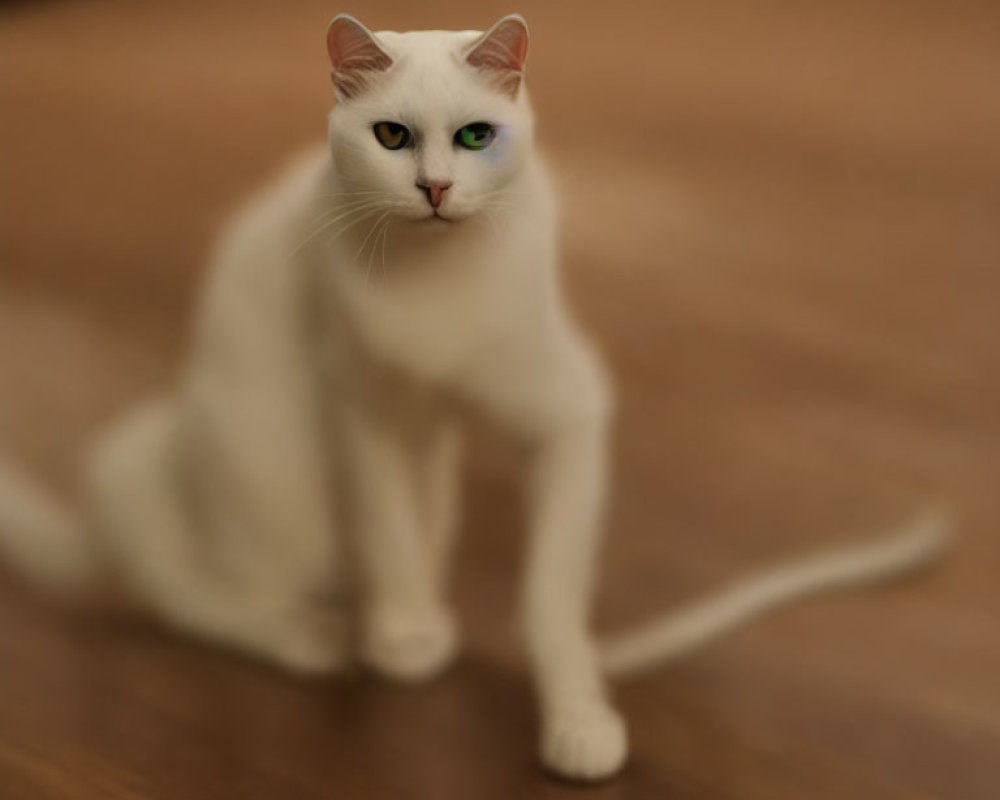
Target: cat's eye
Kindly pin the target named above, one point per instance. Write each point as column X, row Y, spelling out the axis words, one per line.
column 392, row 135
column 476, row 135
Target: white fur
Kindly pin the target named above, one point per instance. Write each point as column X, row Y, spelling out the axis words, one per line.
column 42, row 538
column 297, row 489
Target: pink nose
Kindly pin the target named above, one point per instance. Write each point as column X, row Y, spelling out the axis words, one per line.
column 435, row 191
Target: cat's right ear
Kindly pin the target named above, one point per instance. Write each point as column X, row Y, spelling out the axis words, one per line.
column 355, row 55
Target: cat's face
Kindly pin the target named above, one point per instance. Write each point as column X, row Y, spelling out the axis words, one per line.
column 429, row 126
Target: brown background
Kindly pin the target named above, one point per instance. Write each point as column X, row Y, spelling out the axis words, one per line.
column 782, row 223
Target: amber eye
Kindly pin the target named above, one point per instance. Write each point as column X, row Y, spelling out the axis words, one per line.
column 392, row 135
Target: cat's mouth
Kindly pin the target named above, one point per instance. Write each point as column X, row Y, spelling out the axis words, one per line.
column 435, row 217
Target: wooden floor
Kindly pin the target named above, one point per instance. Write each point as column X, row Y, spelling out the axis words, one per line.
column 783, row 224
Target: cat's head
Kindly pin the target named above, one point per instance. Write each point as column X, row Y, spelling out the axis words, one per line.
column 429, row 125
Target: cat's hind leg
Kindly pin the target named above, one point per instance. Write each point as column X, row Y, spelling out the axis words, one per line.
column 167, row 564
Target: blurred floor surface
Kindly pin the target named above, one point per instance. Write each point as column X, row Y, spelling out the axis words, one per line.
column 781, row 223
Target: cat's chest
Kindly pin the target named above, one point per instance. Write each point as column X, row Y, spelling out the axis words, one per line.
column 430, row 323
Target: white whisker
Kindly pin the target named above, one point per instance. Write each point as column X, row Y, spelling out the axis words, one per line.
column 361, row 208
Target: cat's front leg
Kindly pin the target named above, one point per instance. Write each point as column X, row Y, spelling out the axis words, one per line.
column 582, row 736
column 408, row 634
column 437, row 473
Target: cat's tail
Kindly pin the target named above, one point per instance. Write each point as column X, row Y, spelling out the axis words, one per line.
column 675, row 635
column 43, row 541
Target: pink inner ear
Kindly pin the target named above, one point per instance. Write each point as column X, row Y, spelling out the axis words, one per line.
column 354, row 54
column 503, row 48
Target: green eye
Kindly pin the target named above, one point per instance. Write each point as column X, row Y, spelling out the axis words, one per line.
column 392, row 135
column 476, row 135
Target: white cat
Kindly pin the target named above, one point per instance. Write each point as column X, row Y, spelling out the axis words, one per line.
column 300, row 483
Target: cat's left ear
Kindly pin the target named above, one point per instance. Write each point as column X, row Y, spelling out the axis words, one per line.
column 355, row 55
column 500, row 53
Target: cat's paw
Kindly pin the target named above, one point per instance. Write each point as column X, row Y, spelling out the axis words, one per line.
column 311, row 645
column 410, row 647
column 586, row 742
column 309, row 657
